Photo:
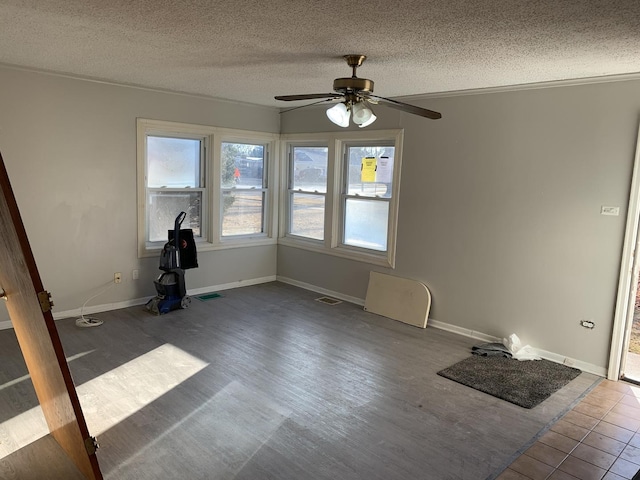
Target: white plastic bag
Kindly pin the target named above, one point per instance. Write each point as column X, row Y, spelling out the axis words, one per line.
column 519, row 352
column 512, row 343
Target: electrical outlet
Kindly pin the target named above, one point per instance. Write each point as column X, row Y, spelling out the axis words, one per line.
column 135, row 274
column 117, row 277
column 613, row 211
column 590, row 324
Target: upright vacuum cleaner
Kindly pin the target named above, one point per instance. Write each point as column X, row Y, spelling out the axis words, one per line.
column 177, row 255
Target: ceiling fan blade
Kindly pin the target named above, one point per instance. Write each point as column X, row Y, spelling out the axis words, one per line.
column 307, row 96
column 405, row 107
column 308, row 105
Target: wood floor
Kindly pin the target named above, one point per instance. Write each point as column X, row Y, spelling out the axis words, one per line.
column 266, row 383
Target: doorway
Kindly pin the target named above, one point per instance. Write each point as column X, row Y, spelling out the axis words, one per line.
column 631, row 364
column 624, row 358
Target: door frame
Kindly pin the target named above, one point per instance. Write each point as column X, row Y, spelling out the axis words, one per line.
column 628, row 280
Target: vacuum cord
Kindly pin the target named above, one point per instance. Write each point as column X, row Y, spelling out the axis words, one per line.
column 83, row 321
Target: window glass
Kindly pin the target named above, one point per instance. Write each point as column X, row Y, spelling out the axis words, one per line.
column 164, row 207
column 368, row 189
column 243, row 188
column 307, row 191
column 307, row 215
column 242, row 212
column 366, row 223
column 310, row 169
column 242, row 165
column 174, row 173
column 370, row 171
column 173, row 162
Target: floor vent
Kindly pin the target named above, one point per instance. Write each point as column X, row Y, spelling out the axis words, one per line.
column 328, row 300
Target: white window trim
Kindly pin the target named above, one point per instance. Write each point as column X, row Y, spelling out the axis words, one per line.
column 211, row 228
column 285, row 182
column 335, row 142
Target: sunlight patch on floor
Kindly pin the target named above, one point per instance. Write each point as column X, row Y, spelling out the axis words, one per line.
column 110, row 398
column 228, row 429
column 25, row 377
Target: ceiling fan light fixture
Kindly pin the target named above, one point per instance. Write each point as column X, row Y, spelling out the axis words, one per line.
column 357, row 94
column 372, row 119
column 361, row 113
column 339, row 114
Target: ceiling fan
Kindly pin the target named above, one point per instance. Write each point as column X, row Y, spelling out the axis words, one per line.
column 358, row 96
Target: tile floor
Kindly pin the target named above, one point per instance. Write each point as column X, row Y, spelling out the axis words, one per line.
column 599, row 439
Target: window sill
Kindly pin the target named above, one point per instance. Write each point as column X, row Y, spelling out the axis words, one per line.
column 381, row 259
column 150, row 252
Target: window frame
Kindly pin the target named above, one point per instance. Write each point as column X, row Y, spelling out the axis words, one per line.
column 337, row 143
column 202, row 181
column 211, row 221
column 266, row 204
column 290, row 191
column 345, row 195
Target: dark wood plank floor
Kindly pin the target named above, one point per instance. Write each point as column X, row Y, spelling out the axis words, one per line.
column 266, row 383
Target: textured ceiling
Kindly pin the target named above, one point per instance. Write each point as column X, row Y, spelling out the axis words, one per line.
column 252, row 50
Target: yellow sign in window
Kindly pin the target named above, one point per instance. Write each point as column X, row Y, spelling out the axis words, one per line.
column 368, row 169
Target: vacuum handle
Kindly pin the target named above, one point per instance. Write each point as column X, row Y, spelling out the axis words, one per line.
column 176, row 236
column 179, row 219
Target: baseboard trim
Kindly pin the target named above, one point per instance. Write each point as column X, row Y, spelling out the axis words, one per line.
column 584, row 366
column 229, row 286
column 554, row 357
column 107, row 307
column 104, row 307
column 323, row 291
column 551, row 356
column 465, row 332
column 141, row 301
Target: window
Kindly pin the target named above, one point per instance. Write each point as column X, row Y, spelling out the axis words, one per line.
column 367, row 193
column 343, row 194
column 175, row 183
column 243, row 182
column 219, row 177
column 307, row 191
column 339, row 196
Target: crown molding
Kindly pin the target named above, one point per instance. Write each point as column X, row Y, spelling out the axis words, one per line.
column 625, row 77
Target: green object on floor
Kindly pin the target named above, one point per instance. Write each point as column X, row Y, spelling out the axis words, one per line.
column 208, row 296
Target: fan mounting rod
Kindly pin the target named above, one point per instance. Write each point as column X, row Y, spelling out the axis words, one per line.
column 353, row 84
column 354, row 61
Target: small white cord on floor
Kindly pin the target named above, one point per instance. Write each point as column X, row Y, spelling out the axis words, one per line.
column 88, row 322
column 83, row 321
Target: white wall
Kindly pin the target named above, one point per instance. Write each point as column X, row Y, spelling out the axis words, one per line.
column 499, row 204
column 70, row 150
column 500, row 212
